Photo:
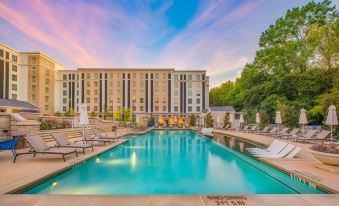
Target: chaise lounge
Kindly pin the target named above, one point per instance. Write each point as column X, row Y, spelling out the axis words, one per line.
column 62, row 141
column 38, row 145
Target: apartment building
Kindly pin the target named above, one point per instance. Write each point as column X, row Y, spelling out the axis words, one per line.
column 28, row 76
column 10, row 74
column 157, row 90
column 42, row 81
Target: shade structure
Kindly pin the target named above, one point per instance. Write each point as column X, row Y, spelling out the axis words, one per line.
column 161, row 120
column 332, row 118
column 241, row 120
column 83, row 118
column 175, row 119
column 278, row 119
column 303, row 119
column 83, row 115
column 171, row 120
column 180, row 121
column 257, row 118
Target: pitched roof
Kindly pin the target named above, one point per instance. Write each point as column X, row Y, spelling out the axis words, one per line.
column 222, row 109
column 18, row 104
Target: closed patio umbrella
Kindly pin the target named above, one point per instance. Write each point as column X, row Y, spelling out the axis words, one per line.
column 278, row 119
column 257, row 119
column 303, row 119
column 218, row 121
column 241, row 119
column 83, row 117
column 332, row 118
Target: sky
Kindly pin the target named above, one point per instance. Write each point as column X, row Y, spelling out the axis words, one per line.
column 219, row 36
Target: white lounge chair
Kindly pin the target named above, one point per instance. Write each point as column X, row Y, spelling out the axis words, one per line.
column 293, row 153
column 309, row 134
column 274, row 148
column 292, row 134
column 207, row 131
column 62, row 141
column 321, row 136
column 285, row 151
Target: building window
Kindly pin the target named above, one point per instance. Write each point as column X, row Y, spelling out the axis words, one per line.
column 189, row 85
column 64, row 100
column 64, row 109
column 88, row 100
column 96, row 100
column 189, row 101
column 88, row 75
column 96, row 83
column 33, row 88
column 141, row 100
column 96, row 108
column 46, row 107
column 14, row 77
column 95, row 92
column 64, row 77
column 46, row 98
column 176, row 108
column 198, row 109
column 14, row 87
column 64, row 93
column 95, row 75
column 189, row 109
column 175, row 77
column 1, row 53
column 141, row 108
column 33, row 97
column 189, row 92
column 88, row 83
column 47, row 90
column 88, row 108
column 88, row 92
column 7, row 55
column 64, row 85
column 156, row 108
column 198, row 101
column 189, row 77
column 14, row 68
column 198, row 77
column 164, row 108
column 14, row 96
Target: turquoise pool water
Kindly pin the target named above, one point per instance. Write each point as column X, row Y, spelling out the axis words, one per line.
column 171, row 162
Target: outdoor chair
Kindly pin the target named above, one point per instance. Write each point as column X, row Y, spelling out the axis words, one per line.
column 321, row 136
column 62, row 141
column 39, row 146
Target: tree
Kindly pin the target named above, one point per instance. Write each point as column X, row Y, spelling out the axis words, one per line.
column 117, row 115
column 208, row 120
column 126, row 114
column 226, row 120
column 57, row 114
column 295, row 67
column 193, row 120
column 107, row 113
column 93, row 114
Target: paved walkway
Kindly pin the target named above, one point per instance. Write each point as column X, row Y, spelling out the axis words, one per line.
column 304, row 165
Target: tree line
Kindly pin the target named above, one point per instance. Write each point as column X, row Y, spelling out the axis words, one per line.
column 295, row 67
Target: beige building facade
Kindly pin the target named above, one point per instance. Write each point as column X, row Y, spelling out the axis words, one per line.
column 144, row 90
column 43, row 82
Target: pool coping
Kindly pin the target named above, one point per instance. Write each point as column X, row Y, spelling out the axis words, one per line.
column 295, row 174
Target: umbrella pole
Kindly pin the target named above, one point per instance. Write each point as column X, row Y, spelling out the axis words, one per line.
column 331, row 133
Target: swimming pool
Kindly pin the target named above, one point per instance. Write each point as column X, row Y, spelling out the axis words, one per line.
column 171, row 162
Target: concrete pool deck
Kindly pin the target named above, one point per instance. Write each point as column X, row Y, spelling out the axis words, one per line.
column 28, row 169
column 304, row 166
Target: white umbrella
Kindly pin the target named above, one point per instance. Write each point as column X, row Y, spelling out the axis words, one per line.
column 257, row 119
column 137, row 119
column 332, row 118
column 303, row 119
column 278, row 119
column 241, row 119
column 83, row 117
column 175, row 119
column 218, row 120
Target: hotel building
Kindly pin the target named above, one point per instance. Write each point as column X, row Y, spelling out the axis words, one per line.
column 42, row 81
column 160, row 91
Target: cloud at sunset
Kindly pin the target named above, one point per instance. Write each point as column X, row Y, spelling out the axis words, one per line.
column 219, row 36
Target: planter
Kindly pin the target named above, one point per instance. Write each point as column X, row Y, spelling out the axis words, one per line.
column 327, row 158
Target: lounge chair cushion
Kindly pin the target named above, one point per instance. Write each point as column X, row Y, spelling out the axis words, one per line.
column 37, row 143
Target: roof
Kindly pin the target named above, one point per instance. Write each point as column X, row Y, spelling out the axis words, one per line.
column 222, row 109
column 18, row 104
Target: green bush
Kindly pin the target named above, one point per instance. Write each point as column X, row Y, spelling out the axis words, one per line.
column 208, row 120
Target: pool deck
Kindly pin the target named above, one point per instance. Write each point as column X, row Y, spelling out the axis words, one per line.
column 304, row 166
column 28, row 170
